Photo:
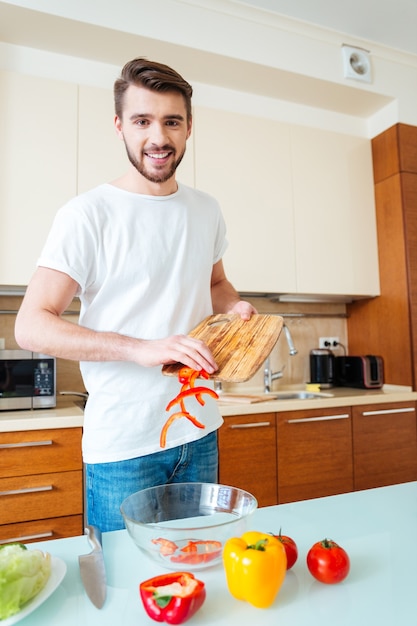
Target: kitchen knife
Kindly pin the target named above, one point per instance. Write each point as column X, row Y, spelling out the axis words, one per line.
column 93, row 573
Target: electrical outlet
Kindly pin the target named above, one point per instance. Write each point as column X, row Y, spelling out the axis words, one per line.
column 2, row 343
column 328, row 342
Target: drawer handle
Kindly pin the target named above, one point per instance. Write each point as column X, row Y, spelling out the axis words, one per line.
column 322, row 418
column 250, row 425
column 409, row 409
column 14, row 492
column 24, row 538
column 26, row 444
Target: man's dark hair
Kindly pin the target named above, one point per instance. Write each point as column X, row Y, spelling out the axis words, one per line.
column 154, row 76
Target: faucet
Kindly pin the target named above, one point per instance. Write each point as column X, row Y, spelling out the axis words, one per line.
column 269, row 375
column 218, row 388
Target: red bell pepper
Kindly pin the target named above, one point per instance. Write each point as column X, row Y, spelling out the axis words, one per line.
column 172, row 598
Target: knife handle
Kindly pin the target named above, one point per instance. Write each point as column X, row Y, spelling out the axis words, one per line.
column 94, row 536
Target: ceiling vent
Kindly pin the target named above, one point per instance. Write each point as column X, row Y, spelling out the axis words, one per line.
column 356, row 63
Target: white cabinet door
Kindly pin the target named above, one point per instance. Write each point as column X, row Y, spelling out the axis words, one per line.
column 38, row 130
column 101, row 154
column 334, row 210
column 244, row 162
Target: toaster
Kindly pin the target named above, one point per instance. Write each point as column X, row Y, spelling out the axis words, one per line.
column 365, row 372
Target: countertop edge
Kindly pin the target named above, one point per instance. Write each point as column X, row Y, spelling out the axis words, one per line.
column 73, row 417
column 342, row 396
column 41, row 419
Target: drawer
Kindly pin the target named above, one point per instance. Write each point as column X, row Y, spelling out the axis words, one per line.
column 40, row 451
column 41, row 496
column 248, row 455
column 42, row 530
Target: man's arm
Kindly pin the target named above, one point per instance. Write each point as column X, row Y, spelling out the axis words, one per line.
column 224, row 296
column 40, row 327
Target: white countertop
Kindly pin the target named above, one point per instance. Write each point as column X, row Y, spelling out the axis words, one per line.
column 41, row 419
column 376, row 527
column 68, row 415
column 339, row 397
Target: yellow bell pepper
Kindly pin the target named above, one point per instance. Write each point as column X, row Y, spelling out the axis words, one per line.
column 255, row 566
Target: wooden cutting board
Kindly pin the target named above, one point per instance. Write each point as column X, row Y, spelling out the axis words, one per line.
column 239, row 347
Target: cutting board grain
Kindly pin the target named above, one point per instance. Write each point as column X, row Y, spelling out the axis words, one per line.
column 239, row 347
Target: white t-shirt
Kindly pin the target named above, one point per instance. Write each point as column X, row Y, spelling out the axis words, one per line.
column 143, row 264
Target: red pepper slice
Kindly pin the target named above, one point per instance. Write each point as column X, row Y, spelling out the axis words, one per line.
column 194, row 391
column 172, row 418
column 167, row 546
column 196, row 552
column 172, row 598
column 187, row 377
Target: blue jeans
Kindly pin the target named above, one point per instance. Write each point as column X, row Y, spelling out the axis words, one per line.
column 108, row 484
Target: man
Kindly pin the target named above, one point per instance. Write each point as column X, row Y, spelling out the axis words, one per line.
column 144, row 255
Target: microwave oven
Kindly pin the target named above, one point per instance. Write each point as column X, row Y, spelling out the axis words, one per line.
column 27, row 380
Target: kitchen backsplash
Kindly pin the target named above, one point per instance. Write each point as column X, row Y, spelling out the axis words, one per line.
column 306, row 322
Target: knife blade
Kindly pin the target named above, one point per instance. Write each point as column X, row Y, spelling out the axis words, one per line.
column 92, row 570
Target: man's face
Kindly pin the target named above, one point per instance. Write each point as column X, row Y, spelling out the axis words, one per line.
column 155, row 129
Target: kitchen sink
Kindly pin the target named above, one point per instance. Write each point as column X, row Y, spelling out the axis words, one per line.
column 299, row 395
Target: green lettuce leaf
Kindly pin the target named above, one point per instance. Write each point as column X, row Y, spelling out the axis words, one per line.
column 23, row 574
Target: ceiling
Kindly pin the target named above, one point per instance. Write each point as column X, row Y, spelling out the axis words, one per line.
column 35, row 29
column 391, row 23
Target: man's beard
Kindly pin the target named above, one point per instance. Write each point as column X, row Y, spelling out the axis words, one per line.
column 155, row 177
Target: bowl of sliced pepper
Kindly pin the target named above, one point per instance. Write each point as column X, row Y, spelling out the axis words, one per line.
column 185, row 525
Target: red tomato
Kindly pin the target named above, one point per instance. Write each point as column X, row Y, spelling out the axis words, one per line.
column 328, row 562
column 291, row 549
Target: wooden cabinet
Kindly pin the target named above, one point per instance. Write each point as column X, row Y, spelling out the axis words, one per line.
column 384, row 444
column 387, row 325
column 297, row 455
column 298, row 202
column 314, row 453
column 248, row 455
column 41, row 485
column 38, row 129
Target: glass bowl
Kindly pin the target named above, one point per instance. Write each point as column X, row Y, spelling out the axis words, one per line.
column 183, row 526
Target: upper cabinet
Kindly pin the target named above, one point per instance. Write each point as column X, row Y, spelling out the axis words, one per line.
column 245, row 163
column 38, row 148
column 101, row 155
column 298, row 203
column 334, row 213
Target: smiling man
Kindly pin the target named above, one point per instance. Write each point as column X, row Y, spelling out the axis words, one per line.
column 144, row 255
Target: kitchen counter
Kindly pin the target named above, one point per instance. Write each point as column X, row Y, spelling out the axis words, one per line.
column 335, row 397
column 68, row 415
column 370, row 525
column 62, row 416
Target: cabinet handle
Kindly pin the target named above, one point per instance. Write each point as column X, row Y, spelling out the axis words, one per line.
column 322, row 418
column 26, row 444
column 250, row 425
column 408, row 409
column 14, row 492
column 24, row 538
